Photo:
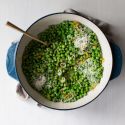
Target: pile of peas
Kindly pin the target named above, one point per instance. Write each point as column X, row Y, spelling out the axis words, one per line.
column 60, row 62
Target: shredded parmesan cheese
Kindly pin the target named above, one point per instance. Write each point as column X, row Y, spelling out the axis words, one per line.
column 81, row 42
column 39, row 82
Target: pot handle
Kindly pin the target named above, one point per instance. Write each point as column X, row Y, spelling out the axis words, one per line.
column 116, row 52
column 117, row 60
column 10, row 60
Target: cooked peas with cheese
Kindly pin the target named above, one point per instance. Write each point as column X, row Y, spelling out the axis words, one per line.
column 69, row 67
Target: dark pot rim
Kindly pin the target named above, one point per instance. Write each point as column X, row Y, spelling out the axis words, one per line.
column 22, row 81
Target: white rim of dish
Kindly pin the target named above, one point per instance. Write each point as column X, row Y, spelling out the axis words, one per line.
column 107, row 75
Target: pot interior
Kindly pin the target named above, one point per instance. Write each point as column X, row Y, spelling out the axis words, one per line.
column 41, row 25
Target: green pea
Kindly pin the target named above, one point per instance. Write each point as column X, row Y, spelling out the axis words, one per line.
column 62, row 78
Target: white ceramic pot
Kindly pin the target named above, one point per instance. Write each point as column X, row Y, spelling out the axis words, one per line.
column 41, row 25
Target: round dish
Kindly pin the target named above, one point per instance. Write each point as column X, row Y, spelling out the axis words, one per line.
column 41, row 25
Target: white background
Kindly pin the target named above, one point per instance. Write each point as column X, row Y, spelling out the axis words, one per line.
column 107, row 109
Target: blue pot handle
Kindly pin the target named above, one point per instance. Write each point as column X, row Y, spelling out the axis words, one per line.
column 117, row 61
column 10, row 60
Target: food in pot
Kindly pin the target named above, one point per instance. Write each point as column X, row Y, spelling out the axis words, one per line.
column 70, row 67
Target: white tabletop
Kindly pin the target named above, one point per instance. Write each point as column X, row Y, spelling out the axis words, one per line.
column 107, row 109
